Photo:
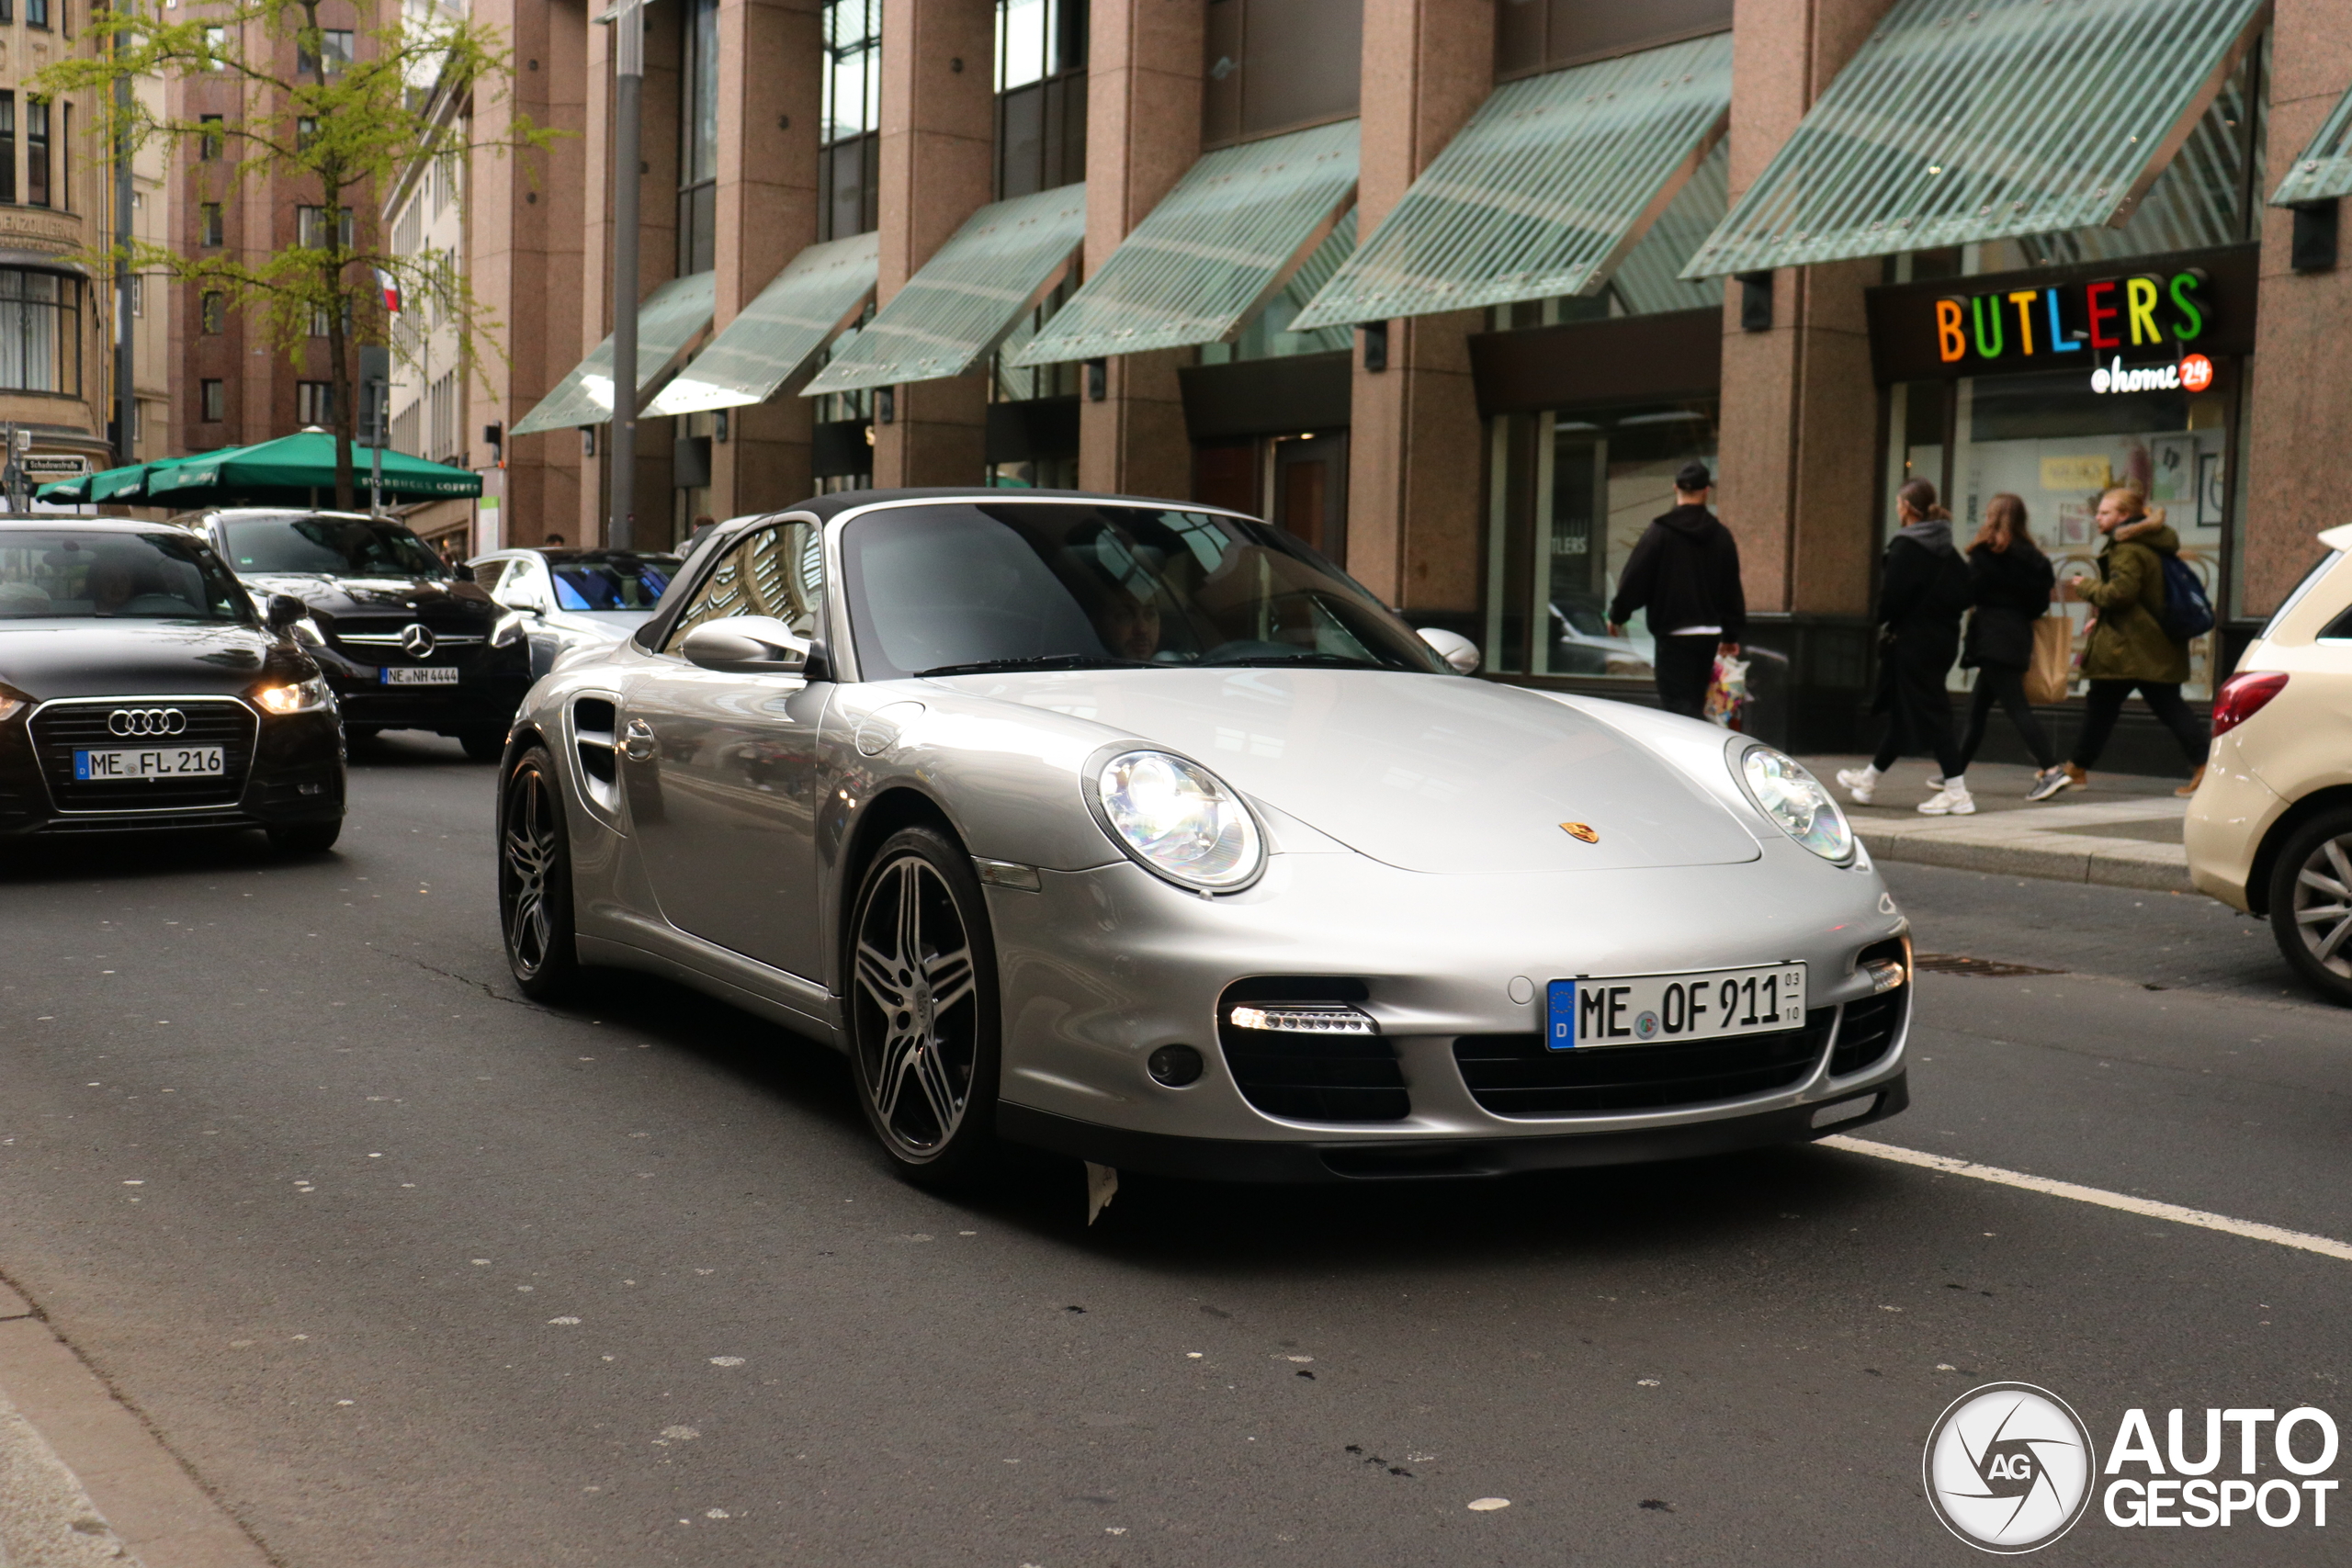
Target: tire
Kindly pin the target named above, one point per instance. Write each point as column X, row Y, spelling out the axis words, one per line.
column 926, row 1067
column 483, row 745
column 2310, row 904
column 305, row 837
column 534, row 879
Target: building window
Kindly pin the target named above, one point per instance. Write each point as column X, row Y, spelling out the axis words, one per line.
column 37, row 13
column 65, row 157
column 8, row 147
column 848, row 184
column 1277, row 65
column 212, row 313
column 306, row 130
column 314, row 403
column 310, row 228
column 1041, row 95
column 215, row 231
column 216, row 401
column 36, row 152
column 138, row 294
column 698, row 137
column 41, row 332
column 209, row 143
column 337, row 44
column 1571, row 494
column 216, row 46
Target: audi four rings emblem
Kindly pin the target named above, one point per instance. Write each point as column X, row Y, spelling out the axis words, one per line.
column 146, row 721
column 416, row 640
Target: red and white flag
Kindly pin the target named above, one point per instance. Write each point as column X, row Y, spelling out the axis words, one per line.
column 391, row 287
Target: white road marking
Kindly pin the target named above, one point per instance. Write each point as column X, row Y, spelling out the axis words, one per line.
column 2302, row 1241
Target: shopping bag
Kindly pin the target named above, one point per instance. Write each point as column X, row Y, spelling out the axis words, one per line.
column 1727, row 691
column 2047, row 678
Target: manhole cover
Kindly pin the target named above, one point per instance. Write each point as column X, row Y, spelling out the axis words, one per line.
column 1954, row 964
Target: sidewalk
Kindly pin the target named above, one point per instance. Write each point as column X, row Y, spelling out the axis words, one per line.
column 2122, row 831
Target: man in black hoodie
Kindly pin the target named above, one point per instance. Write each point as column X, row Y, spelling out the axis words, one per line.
column 1685, row 571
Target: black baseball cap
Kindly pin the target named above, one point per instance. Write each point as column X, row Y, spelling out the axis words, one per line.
column 1693, row 477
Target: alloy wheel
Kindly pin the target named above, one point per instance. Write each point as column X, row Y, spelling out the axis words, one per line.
column 528, row 847
column 917, row 994
column 2323, row 905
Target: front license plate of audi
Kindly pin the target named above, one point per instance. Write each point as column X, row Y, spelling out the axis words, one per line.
column 149, row 762
column 420, row 675
column 1653, row 1009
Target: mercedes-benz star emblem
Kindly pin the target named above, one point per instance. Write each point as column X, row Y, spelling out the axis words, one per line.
column 146, row 721
column 416, row 640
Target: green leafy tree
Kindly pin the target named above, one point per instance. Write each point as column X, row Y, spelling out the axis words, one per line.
column 344, row 127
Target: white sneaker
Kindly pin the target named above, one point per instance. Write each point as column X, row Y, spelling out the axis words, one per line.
column 1857, row 783
column 1948, row 801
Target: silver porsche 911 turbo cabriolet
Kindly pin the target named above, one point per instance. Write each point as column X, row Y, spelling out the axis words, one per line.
column 1135, row 829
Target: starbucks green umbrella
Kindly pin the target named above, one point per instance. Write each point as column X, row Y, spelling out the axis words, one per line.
column 124, row 484
column 298, row 471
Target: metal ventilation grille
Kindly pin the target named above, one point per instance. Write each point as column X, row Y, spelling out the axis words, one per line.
column 1955, row 125
column 1867, row 1031
column 2323, row 169
column 954, row 310
column 59, row 730
column 813, row 300
column 1208, row 258
column 669, row 322
column 1551, row 184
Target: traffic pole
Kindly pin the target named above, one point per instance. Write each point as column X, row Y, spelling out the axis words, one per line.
column 628, row 84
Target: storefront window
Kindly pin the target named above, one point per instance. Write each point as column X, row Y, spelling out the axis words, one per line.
column 1571, row 494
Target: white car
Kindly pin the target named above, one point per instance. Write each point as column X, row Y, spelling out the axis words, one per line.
column 2270, row 829
column 576, row 598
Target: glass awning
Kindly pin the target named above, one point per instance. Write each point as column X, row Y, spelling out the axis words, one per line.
column 959, row 305
column 1213, row 253
column 669, row 322
column 1955, row 126
column 1551, row 184
column 2322, row 170
column 777, row 336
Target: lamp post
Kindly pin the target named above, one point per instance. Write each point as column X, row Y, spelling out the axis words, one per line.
column 629, row 86
column 126, row 388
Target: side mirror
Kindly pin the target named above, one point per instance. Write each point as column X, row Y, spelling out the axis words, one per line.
column 1451, row 646
column 524, row 599
column 285, row 613
column 747, row 644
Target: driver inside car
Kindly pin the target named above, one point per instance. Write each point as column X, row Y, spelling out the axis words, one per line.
column 109, row 585
column 1128, row 626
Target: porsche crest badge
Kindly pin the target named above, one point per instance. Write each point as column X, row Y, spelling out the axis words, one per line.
column 1583, row 832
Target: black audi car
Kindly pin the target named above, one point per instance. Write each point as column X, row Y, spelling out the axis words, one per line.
column 139, row 689
column 407, row 641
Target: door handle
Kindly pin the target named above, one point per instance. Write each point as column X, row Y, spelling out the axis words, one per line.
column 637, row 741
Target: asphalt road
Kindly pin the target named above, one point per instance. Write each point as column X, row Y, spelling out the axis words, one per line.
column 410, row 1272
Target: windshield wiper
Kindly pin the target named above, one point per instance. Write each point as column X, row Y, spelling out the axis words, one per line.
column 1041, row 662
column 1320, row 661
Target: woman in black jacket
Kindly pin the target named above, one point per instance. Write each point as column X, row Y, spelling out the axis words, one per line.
column 1922, row 593
column 2010, row 581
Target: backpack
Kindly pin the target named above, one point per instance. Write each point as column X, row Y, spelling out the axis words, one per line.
column 2188, row 614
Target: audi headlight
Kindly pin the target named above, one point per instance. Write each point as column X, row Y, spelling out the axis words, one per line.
column 8, row 706
column 1794, row 799
column 509, row 629
column 1181, row 820
column 304, row 696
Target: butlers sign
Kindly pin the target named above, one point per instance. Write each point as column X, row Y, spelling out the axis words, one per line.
column 2134, row 323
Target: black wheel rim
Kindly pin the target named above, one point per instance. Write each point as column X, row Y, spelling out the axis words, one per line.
column 527, row 852
column 917, row 1002
column 2324, row 904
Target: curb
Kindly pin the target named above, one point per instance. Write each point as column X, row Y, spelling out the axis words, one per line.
column 46, row 1520
column 1990, row 842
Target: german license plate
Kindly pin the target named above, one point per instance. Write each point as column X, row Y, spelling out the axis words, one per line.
column 1650, row 1009
column 149, row 762
column 420, row 675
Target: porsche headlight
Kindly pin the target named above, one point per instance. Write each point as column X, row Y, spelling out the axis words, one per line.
column 509, row 629
column 304, row 696
column 1181, row 820
column 1794, row 799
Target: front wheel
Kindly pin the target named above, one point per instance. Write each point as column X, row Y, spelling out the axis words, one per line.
column 923, row 1019
column 2310, row 904
column 534, row 879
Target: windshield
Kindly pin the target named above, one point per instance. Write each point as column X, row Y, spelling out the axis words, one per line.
column 336, row 546
column 165, row 575
column 960, row 587
column 611, row 583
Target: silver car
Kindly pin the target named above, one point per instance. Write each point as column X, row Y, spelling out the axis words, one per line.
column 576, row 598
column 1135, row 830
